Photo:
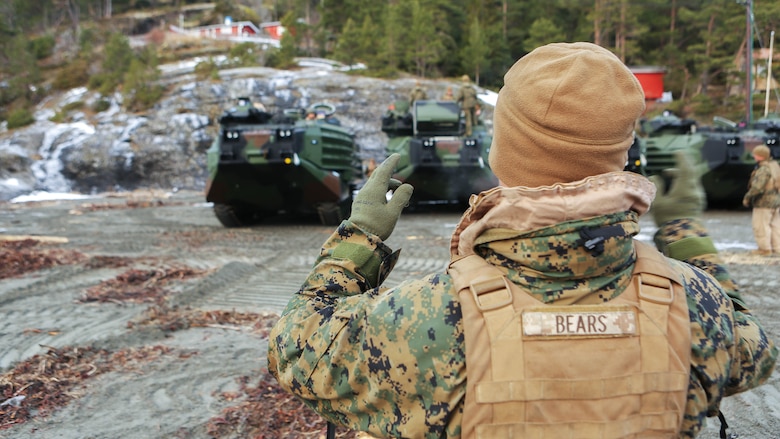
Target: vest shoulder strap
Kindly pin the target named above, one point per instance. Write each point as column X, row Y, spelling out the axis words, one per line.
column 474, row 272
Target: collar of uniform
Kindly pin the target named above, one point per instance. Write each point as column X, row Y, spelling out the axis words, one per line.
column 553, row 264
column 521, row 209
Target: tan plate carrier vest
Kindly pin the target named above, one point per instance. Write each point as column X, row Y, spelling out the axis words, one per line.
column 607, row 370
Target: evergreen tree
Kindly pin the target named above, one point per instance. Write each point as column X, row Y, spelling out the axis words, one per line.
column 517, row 20
column 498, row 58
column 425, row 47
column 700, row 43
column 22, row 70
column 369, row 39
column 475, row 53
column 348, row 49
column 451, row 19
column 659, row 18
column 116, row 61
column 141, row 82
column 395, row 33
column 542, row 31
column 571, row 16
column 288, row 50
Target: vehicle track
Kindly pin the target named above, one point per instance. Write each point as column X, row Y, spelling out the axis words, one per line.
column 253, row 269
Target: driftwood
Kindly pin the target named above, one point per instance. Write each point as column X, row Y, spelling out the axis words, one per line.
column 52, row 239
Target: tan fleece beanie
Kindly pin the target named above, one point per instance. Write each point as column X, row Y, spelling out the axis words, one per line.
column 566, row 111
column 762, row 151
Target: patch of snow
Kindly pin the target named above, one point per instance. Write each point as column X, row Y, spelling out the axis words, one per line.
column 10, row 182
column 48, row 196
column 488, row 97
column 48, row 170
column 191, row 120
column 44, row 114
column 735, row 245
column 113, row 109
column 73, row 95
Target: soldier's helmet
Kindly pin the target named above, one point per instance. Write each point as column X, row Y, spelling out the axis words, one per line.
column 465, row 78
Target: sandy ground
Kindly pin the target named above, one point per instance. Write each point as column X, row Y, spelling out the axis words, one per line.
column 249, row 270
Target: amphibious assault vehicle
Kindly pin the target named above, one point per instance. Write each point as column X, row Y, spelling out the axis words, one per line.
column 725, row 147
column 443, row 165
column 262, row 165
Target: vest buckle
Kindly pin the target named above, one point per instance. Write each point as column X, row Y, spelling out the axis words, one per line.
column 492, row 293
column 655, row 289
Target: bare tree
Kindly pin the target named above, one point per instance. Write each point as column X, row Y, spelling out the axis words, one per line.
column 72, row 9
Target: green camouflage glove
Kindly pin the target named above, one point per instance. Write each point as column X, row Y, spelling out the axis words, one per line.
column 686, row 197
column 371, row 210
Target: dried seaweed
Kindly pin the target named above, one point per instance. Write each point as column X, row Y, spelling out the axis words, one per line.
column 96, row 262
column 267, row 411
column 128, row 204
column 138, row 286
column 46, row 382
column 174, row 319
column 18, row 258
column 263, row 410
column 197, row 239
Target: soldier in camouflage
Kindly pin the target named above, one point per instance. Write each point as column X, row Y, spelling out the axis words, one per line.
column 763, row 195
column 467, row 98
column 391, row 362
column 418, row 93
column 448, row 95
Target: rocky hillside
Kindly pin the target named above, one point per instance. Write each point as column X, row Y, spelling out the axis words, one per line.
column 165, row 148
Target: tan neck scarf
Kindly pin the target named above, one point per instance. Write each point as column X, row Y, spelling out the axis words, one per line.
column 524, row 209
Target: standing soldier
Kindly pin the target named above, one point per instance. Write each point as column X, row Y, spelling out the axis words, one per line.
column 418, row 93
column 552, row 320
column 467, row 98
column 763, row 196
column 448, row 96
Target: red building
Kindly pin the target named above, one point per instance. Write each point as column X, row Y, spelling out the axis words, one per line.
column 651, row 79
column 237, row 29
column 273, row 28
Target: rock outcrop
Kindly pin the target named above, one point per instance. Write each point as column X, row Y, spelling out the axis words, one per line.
column 165, row 147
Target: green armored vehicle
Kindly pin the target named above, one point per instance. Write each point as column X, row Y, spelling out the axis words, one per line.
column 729, row 182
column 666, row 134
column 443, row 165
column 262, row 165
column 726, row 148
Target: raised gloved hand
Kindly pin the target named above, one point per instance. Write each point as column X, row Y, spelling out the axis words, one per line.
column 371, row 210
column 686, row 197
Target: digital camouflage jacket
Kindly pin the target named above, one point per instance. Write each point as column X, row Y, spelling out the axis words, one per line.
column 392, row 362
column 763, row 188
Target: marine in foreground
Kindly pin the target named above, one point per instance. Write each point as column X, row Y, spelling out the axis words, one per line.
column 503, row 347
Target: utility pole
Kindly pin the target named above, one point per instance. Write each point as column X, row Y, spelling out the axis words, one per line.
column 769, row 72
column 748, row 60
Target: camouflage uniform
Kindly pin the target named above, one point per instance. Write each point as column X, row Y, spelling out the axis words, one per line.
column 392, row 361
column 764, row 197
column 761, row 189
column 417, row 94
column 467, row 98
